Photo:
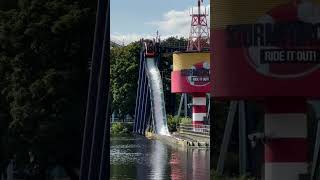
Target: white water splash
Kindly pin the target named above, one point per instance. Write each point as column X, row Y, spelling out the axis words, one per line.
column 157, row 98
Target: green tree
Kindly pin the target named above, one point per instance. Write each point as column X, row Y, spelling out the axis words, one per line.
column 44, row 50
column 124, row 78
column 171, row 99
column 125, row 72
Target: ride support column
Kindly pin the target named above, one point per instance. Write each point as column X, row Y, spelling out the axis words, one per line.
column 286, row 147
column 199, row 109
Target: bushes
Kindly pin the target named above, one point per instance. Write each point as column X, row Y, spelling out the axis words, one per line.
column 121, row 129
column 186, row 120
column 174, row 121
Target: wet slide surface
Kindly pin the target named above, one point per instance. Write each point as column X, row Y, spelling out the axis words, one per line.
column 157, row 97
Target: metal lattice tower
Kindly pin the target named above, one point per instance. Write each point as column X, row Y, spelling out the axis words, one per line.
column 199, row 37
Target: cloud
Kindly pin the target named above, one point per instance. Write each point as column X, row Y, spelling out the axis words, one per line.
column 128, row 38
column 173, row 23
column 176, row 23
column 125, row 39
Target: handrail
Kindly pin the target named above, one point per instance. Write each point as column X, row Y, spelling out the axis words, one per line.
column 195, row 129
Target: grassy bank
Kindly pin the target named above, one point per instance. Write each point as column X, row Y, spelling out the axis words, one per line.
column 121, row 129
column 174, row 121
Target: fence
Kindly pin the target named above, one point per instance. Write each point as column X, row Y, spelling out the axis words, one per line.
column 115, row 119
column 196, row 130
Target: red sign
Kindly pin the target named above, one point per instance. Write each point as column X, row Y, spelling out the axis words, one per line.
column 278, row 54
column 196, row 79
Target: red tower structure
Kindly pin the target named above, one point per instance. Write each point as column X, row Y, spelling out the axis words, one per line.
column 199, row 37
column 191, row 69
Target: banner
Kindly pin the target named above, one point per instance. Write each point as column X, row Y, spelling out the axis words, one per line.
column 265, row 49
column 191, row 73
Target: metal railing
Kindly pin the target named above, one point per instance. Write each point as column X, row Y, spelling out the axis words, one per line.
column 202, row 130
column 174, row 44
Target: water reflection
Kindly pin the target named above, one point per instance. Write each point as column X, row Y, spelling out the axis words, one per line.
column 176, row 167
column 158, row 160
column 140, row 158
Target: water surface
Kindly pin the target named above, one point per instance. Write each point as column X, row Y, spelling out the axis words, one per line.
column 143, row 159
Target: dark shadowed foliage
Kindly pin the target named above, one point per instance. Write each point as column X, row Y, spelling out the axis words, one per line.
column 45, row 46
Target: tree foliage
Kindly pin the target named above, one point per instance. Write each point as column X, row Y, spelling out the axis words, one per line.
column 171, row 99
column 125, row 72
column 124, row 77
column 44, row 50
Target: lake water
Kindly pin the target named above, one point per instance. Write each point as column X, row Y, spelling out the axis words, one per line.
column 144, row 159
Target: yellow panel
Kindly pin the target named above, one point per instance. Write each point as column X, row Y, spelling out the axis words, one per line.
column 187, row 60
column 232, row 12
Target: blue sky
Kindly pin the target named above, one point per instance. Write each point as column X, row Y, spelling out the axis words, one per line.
column 134, row 19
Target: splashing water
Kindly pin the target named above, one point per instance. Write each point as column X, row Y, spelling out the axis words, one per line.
column 157, row 97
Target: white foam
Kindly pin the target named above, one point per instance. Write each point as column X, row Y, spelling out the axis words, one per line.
column 157, row 98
